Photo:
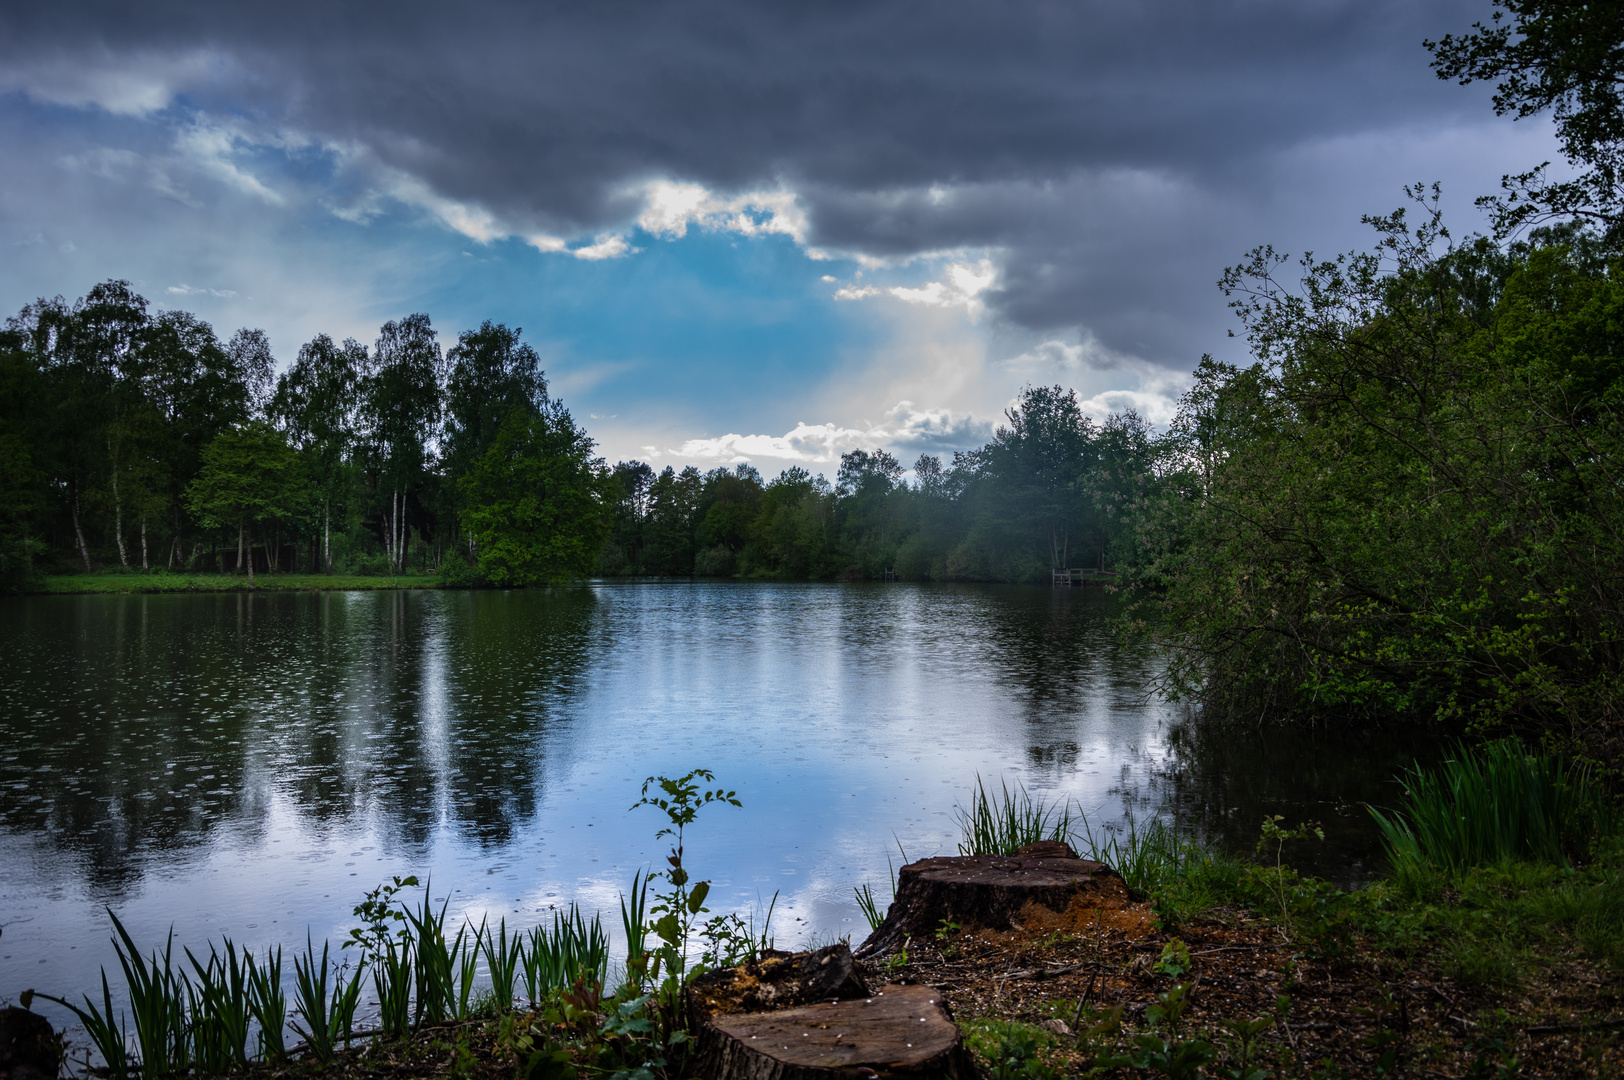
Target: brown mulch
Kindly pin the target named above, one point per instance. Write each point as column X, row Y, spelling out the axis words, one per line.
column 1343, row 1014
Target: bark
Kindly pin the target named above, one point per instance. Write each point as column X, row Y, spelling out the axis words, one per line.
column 899, row 1031
column 144, row 564
column 79, row 533
column 242, row 533
column 326, row 537
column 1042, row 882
column 118, row 510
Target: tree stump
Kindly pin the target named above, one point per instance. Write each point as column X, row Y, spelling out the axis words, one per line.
column 1042, row 886
column 775, row 980
column 901, row 1031
column 29, row 1047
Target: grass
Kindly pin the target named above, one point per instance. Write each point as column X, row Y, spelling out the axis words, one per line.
column 160, row 581
column 1002, row 822
column 1495, row 803
column 214, row 1015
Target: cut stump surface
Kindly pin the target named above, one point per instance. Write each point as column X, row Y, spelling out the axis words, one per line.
column 1042, row 886
column 899, row 1031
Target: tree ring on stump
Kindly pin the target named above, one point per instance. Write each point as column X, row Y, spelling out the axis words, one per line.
column 899, row 1031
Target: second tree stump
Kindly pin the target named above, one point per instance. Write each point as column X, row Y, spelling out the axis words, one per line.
column 1042, row 885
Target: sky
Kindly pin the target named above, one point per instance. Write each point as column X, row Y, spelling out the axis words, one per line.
column 764, row 232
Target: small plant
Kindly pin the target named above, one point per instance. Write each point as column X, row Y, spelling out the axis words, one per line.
column 1243, row 1048
column 1275, row 833
column 1012, row 1050
column 677, row 909
column 899, row 959
column 383, row 920
column 1175, row 959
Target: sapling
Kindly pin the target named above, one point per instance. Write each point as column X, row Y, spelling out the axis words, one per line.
column 677, row 909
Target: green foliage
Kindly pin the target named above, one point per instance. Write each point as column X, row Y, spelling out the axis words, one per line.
column 1010, row 1050
column 1495, row 803
column 1563, row 58
column 676, row 910
column 1407, row 509
column 1001, row 822
column 534, row 502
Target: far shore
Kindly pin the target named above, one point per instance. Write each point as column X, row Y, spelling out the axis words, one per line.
column 172, row 582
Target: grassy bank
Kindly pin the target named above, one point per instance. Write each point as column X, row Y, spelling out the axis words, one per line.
column 1232, row 966
column 164, row 582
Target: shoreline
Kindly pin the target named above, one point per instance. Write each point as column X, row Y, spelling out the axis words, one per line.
column 168, row 582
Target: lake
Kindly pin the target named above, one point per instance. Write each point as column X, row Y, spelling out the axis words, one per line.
column 250, row 764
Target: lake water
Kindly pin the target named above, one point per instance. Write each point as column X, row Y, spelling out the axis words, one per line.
column 251, row 764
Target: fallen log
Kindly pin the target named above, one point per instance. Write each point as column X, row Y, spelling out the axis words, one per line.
column 1042, row 886
column 901, row 1031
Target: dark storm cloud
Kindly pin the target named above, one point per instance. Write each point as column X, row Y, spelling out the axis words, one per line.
column 903, row 127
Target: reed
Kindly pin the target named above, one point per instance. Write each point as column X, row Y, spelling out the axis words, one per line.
column 504, row 956
column 1495, row 803
column 1000, row 823
column 576, row 948
column 324, row 1001
column 634, row 920
column 268, row 1003
column 870, row 907
column 157, row 1004
column 217, row 1009
column 392, row 981
column 1146, row 856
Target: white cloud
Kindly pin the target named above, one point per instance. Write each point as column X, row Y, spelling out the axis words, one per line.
column 211, row 148
column 184, row 289
column 904, row 429
column 611, row 246
column 670, row 207
column 961, row 286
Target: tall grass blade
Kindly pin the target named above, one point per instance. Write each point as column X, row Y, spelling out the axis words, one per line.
column 870, row 907
column 105, row 1028
column 268, row 1003
column 1000, row 823
column 1494, row 803
column 504, row 956
column 157, row 1004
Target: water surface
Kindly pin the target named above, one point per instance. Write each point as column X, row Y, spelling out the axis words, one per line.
column 250, row 764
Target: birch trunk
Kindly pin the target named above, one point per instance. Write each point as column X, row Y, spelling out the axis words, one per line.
column 242, row 533
column 118, row 512
column 144, row 564
column 78, row 533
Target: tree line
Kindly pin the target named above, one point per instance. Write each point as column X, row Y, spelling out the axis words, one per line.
column 137, row 438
